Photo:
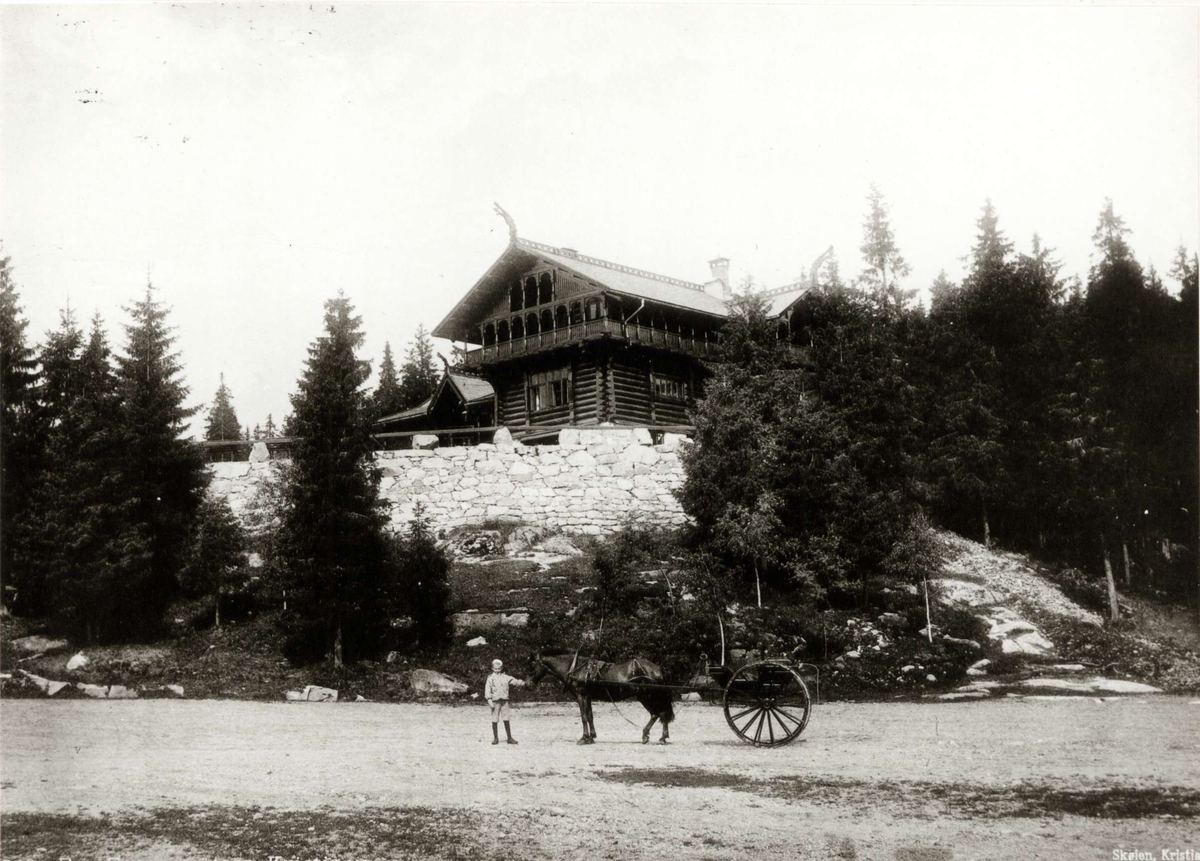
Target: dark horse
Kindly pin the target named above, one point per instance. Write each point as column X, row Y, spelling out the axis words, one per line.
column 587, row 678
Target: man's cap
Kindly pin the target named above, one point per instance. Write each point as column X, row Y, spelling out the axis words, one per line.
column 497, row 664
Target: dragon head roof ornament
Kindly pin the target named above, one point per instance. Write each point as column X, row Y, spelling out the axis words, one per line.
column 508, row 219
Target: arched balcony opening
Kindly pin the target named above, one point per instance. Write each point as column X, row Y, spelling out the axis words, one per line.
column 531, row 323
column 547, row 320
column 531, row 291
column 545, row 288
column 514, row 297
column 560, row 317
column 592, row 309
column 502, row 331
column 489, row 334
column 576, row 313
column 518, row 328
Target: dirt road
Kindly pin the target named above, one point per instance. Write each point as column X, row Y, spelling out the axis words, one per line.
column 1063, row 778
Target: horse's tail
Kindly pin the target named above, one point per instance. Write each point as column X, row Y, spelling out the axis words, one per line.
column 668, row 713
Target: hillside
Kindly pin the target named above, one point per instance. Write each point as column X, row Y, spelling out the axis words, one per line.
column 1001, row 626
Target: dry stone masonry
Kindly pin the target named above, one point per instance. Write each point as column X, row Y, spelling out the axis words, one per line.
column 590, row 483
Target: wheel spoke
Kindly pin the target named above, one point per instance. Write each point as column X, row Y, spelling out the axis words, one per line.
column 790, row 716
column 758, row 729
column 780, row 716
column 743, row 712
column 770, row 728
column 746, row 726
column 791, row 729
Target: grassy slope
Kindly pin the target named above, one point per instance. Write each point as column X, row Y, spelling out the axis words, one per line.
column 243, row 660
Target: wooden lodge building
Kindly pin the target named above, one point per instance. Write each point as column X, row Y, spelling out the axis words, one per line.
column 553, row 338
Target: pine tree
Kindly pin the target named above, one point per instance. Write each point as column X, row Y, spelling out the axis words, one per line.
column 419, row 376
column 881, row 254
column 425, row 570
column 991, row 247
column 217, row 552
column 90, row 561
column 258, row 432
column 269, row 429
column 165, row 475
column 19, row 437
column 223, row 422
column 333, row 544
column 388, row 397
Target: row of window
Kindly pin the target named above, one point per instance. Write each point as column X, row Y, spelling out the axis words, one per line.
column 550, row 389
column 531, row 290
column 546, row 321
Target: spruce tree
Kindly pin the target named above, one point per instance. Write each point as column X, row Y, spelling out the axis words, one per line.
column 388, row 398
column 337, row 556
column 20, row 447
column 269, row 429
column 222, row 422
column 91, row 559
column 165, row 475
column 217, row 553
column 419, row 375
column 881, row 254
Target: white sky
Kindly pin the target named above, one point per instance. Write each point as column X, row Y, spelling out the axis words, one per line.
column 258, row 158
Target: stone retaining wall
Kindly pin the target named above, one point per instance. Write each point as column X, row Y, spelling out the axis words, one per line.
column 589, row 483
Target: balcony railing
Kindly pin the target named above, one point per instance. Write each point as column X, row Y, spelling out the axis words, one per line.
column 588, row 330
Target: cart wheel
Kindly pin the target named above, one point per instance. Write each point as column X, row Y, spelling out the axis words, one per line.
column 767, row 704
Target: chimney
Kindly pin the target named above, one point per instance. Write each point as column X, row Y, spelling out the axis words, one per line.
column 719, row 286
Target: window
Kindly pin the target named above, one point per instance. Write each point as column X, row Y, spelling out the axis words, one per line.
column 670, row 388
column 549, row 389
column 576, row 313
column 592, row 309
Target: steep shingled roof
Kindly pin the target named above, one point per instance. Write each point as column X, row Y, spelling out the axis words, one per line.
column 471, row 390
column 616, row 277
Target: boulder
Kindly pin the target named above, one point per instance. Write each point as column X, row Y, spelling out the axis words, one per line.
column 38, row 645
column 293, row 696
column 433, row 682
column 675, row 441
column 318, row 694
column 477, row 641
column 483, row 543
column 392, row 657
column 46, row 686
column 174, row 690
column 120, row 692
column 1003, row 629
column 568, row 436
column 1121, row 686
column 1034, row 643
column 78, row 662
column 514, row 620
column 94, row 691
column 692, row 697
column 502, row 437
column 425, row 441
column 260, row 453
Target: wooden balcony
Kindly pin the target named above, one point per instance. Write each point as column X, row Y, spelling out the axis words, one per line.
column 590, row 330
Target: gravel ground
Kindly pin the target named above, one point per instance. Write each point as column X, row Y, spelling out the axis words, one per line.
column 1054, row 778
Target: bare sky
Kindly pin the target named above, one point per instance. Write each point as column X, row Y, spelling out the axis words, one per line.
column 258, row 158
